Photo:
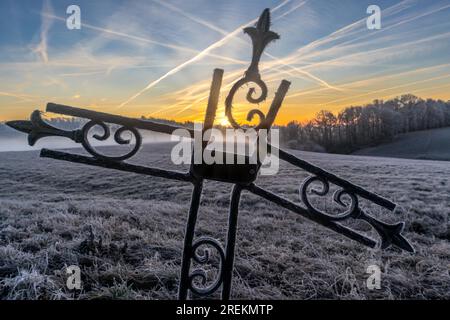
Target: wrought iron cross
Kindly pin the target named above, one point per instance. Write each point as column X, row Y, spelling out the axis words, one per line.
column 242, row 176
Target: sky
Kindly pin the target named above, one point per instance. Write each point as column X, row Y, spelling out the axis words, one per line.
column 155, row 58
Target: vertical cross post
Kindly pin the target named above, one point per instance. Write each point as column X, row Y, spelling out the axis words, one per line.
column 188, row 249
column 231, row 241
column 188, row 238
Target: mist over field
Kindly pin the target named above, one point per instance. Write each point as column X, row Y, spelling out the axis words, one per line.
column 19, row 142
column 125, row 231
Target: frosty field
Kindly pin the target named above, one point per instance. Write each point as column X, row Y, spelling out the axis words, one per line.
column 126, row 231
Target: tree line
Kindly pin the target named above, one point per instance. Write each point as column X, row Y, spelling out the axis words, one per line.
column 351, row 129
column 358, row 127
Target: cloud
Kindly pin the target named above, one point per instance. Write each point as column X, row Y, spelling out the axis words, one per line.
column 42, row 48
column 19, row 96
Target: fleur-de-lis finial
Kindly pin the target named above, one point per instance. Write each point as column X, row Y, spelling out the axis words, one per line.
column 261, row 36
column 37, row 128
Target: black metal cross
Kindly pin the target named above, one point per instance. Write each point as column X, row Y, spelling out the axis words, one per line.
column 242, row 176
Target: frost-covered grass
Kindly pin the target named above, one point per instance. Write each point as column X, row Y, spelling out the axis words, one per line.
column 126, row 232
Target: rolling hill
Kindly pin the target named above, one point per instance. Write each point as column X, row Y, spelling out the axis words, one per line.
column 428, row 145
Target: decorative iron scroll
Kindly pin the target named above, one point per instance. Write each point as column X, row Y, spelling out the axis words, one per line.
column 203, row 259
column 243, row 177
column 261, row 36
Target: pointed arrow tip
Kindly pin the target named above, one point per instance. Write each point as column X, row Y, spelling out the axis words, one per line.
column 403, row 243
column 22, row 126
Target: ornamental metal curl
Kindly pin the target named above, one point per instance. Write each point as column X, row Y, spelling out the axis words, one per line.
column 352, row 208
column 261, row 36
column 118, row 138
column 242, row 176
column 37, row 129
column 389, row 234
column 205, row 259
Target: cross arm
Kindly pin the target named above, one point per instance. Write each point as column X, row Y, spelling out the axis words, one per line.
column 390, row 234
column 347, row 185
column 345, row 196
column 289, row 205
column 117, row 165
column 114, row 119
column 37, row 128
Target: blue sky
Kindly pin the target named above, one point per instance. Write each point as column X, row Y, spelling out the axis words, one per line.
column 148, row 57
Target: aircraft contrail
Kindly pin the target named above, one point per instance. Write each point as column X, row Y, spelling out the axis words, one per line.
column 394, row 9
column 197, row 57
column 144, row 40
column 374, row 79
column 298, row 6
column 306, row 73
column 333, row 36
column 225, row 33
column 190, row 16
column 353, row 26
column 445, row 76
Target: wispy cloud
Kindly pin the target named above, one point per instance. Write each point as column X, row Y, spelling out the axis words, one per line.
column 42, row 48
column 22, row 97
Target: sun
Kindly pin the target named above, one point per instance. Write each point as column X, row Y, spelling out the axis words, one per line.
column 224, row 122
